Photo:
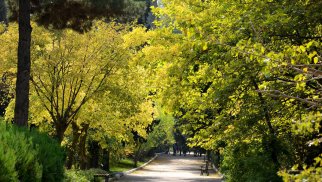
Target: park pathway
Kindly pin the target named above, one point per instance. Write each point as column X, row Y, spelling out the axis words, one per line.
column 168, row 168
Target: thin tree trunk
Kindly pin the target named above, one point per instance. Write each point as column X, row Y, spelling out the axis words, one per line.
column 137, row 155
column 94, row 149
column 82, row 147
column 72, row 150
column 23, row 71
column 106, row 160
column 272, row 141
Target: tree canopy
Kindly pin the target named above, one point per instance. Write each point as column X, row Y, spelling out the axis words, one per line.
column 243, row 79
column 78, row 14
column 240, row 79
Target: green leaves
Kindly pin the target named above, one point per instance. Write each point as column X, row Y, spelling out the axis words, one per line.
column 246, row 72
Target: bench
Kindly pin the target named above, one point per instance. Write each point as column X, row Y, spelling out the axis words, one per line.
column 106, row 177
column 205, row 168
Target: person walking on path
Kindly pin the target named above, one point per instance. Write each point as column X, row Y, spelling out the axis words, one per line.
column 175, row 148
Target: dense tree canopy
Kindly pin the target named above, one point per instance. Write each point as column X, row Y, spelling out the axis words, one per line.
column 81, row 93
column 240, row 79
column 78, row 14
column 243, row 79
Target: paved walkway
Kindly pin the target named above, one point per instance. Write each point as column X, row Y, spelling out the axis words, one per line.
column 167, row 168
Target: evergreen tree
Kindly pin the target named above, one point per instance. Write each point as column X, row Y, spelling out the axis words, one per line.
column 148, row 16
column 78, row 14
column 3, row 11
column 23, row 71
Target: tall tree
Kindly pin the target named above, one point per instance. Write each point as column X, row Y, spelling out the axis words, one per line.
column 23, row 71
column 3, row 11
column 78, row 14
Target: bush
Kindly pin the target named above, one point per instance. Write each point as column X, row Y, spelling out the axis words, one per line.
column 82, row 175
column 51, row 156
column 248, row 162
column 29, row 156
column 7, row 162
column 18, row 156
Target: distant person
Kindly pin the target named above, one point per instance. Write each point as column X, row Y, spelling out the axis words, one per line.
column 175, row 148
column 184, row 150
column 195, row 152
column 167, row 150
column 167, row 147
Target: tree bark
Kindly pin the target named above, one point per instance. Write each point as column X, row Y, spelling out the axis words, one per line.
column 23, row 71
column 72, row 150
column 94, row 150
column 60, row 127
column 82, row 147
column 106, row 160
column 137, row 155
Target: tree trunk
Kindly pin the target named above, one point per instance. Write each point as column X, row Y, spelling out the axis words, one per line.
column 94, row 151
column 82, row 147
column 106, row 160
column 23, row 71
column 72, row 150
column 217, row 159
column 272, row 139
column 137, row 155
column 60, row 127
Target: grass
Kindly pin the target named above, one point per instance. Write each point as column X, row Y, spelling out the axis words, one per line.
column 125, row 165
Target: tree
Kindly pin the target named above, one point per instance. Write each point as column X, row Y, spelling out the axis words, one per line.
column 220, row 59
column 3, row 11
column 5, row 92
column 23, row 71
column 8, row 58
column 75, row 73
column 79, row 14
column 96, row 92
column 110, row 118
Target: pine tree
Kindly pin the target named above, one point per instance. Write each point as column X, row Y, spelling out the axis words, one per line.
column 23, row 72
column 78, row 14
column 3, row 11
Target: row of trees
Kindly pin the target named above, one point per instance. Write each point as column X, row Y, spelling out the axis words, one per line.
column 86, row 90
column 243, row 79
column 46, row 13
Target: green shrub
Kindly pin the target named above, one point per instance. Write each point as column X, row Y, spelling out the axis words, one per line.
column 74, row 175
column 248, row 162
column 7, row 163
column 19, row 156
column 50, row 155
column 29, row 156
column 82, row 175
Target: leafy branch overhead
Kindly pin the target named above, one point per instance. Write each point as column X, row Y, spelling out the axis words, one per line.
column 78, row 15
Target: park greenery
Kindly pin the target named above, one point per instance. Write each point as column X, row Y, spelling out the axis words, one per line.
column 238, row 79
